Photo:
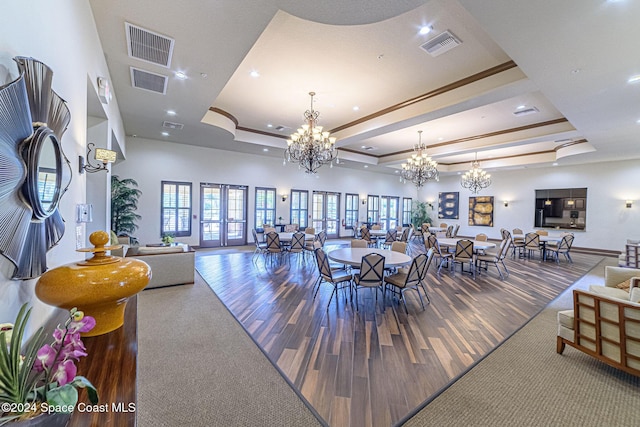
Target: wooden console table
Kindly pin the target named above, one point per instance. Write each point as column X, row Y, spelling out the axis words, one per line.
column 111, row 366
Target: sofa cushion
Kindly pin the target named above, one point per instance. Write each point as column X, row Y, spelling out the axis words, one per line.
column 609, row 291
column 565, row 318
column 148, row 250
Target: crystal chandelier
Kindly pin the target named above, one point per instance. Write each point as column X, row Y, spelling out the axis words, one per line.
column 310, row 147
column 419, row 168
column 475, row 179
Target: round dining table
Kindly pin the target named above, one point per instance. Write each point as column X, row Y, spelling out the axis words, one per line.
column 477, row 244
column 287, row 237
column 353, row 256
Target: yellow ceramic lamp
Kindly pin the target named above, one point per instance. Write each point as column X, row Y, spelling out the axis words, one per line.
column 99, row 286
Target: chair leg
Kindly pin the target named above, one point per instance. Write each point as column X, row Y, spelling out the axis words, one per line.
column 559, row 345
column 420, row 297
column 335, row 291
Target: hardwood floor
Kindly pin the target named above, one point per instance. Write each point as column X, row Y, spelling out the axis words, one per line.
column 374, row 365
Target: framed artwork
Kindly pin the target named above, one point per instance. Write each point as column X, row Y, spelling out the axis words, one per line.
column 481, row 211
column 448, row 204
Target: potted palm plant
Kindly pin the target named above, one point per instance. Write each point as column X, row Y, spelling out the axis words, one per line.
column 124, row 204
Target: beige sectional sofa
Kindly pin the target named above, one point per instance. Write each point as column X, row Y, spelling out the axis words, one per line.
column 170, row 265
column 605, row 321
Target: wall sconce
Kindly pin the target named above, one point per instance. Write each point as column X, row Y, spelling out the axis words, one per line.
column 101, row 154
column 284, row 197
column 364, row 201
column 506, row 203
column 629, row 203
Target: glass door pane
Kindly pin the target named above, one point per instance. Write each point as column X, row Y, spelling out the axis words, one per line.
column 317, row 214
column 210, row 215
column 236, row 230
column 392, row 215
column 332, row 215
column 384, row 211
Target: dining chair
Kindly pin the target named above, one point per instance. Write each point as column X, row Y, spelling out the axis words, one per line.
column 495, row 258
column 390, row 237
column 371, row 274
column 401, row 282
column 399, row 247
column 481, row 237
column 404, row 236
column 273, row 245
column 339, row 278
column 564, row 247
column 417, row 233
column 376, row 227
column 463, row 255
column 366, row 236
column 321, row 237
column 358, row 243
column 297, row 246
column 261, row 247
column 443, row 225
column 532, row 243
column 310, row 230
column 443, row 257
column 455, row 231
column 517, row 243
column 291, row 228
column 450, row 231
column 542, row 232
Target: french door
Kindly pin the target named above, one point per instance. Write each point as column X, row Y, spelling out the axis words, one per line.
column 326, row 213
column 388, row 212
column 223, row 215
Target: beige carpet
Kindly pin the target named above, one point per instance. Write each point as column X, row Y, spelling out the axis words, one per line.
column 525, row 382
column 198, row 367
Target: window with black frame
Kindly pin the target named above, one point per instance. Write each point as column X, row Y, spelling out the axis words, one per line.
column 351, row 210
column 176, row 209
column 265, row 206
column 373, row 206
column 299, row 208
column 406, row 211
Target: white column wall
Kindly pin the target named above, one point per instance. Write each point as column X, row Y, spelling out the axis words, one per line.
column 149, row 162
column 609, row 223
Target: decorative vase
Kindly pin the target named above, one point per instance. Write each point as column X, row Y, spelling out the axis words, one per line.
column 99, row 286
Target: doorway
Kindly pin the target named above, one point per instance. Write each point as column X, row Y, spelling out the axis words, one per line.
column 326, row 213
column 223, row 215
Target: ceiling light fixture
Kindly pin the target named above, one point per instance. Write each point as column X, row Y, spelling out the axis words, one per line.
column 254, row 73
column 165, row 133
column 180, row 75
column 171, row 112
column 634, row 79
column 420, row 168
column 310, row 147
column 475, row 179
column 425, row 30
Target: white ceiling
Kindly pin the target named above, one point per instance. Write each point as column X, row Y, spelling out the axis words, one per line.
column 571, row 60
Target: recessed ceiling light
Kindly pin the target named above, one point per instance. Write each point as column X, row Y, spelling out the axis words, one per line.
column 356, row 108
column 521, row 107
column 576, row 70
column 440, row 138
column 459, row 173
column 254, row 73
column 180, row 75
column 165, row 133
column 269, row 125
column 634, row 79
column 364, row 146
column 554, row 164
column 366, row 166
column 425, row 30
column 204, row 75
column 397, row 171
column 265, row 149
column 171, row 112
column 638, row 121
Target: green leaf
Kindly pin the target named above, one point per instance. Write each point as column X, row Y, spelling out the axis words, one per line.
column 82, row 382
column 67, row 396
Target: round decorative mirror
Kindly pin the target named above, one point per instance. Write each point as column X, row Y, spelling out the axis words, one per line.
column 35, row 172
column 44, row 172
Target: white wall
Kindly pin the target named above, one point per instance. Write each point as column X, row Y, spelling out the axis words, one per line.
column 609, row 223
column 62, row 34
column 149, row 162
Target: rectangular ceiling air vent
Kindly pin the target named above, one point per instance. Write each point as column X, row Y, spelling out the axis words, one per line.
column 148, row 81
column 149, row 46
column 172, row 125
column 526, row 111
column 281, row 128
column 441, row 43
